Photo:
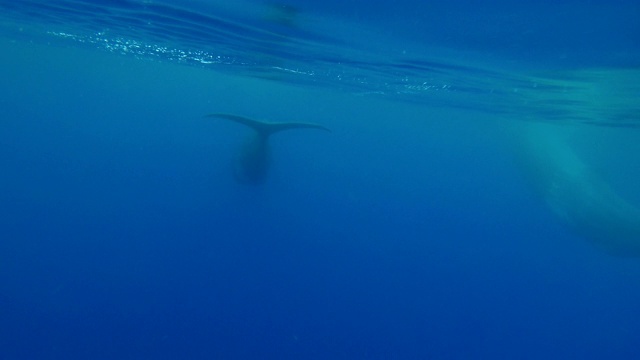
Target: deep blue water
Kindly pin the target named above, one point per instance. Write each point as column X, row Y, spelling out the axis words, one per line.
column 414, row 230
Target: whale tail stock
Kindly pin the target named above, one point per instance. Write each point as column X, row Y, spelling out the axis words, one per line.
column 264, row 128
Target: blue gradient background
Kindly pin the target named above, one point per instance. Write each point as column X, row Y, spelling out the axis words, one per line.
column 407, row 233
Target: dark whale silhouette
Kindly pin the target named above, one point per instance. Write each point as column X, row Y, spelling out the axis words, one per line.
column 252, row 163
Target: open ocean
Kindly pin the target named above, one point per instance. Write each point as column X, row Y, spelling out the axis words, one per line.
column 475, row 196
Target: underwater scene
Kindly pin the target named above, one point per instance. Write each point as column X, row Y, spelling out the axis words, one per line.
column 297, row 179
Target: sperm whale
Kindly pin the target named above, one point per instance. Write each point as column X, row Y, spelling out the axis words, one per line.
column 577, row 195
column 252, row 163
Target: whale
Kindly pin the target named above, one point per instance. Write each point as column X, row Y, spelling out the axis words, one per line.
column 575, row 193
column 251, row 164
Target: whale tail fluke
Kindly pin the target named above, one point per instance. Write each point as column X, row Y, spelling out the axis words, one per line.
column 266, row 128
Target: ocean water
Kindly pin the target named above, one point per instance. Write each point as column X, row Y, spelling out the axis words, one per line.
column 476, row 197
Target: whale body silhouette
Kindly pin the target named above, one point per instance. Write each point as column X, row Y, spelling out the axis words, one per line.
column 252, row 163
column 576, row 194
